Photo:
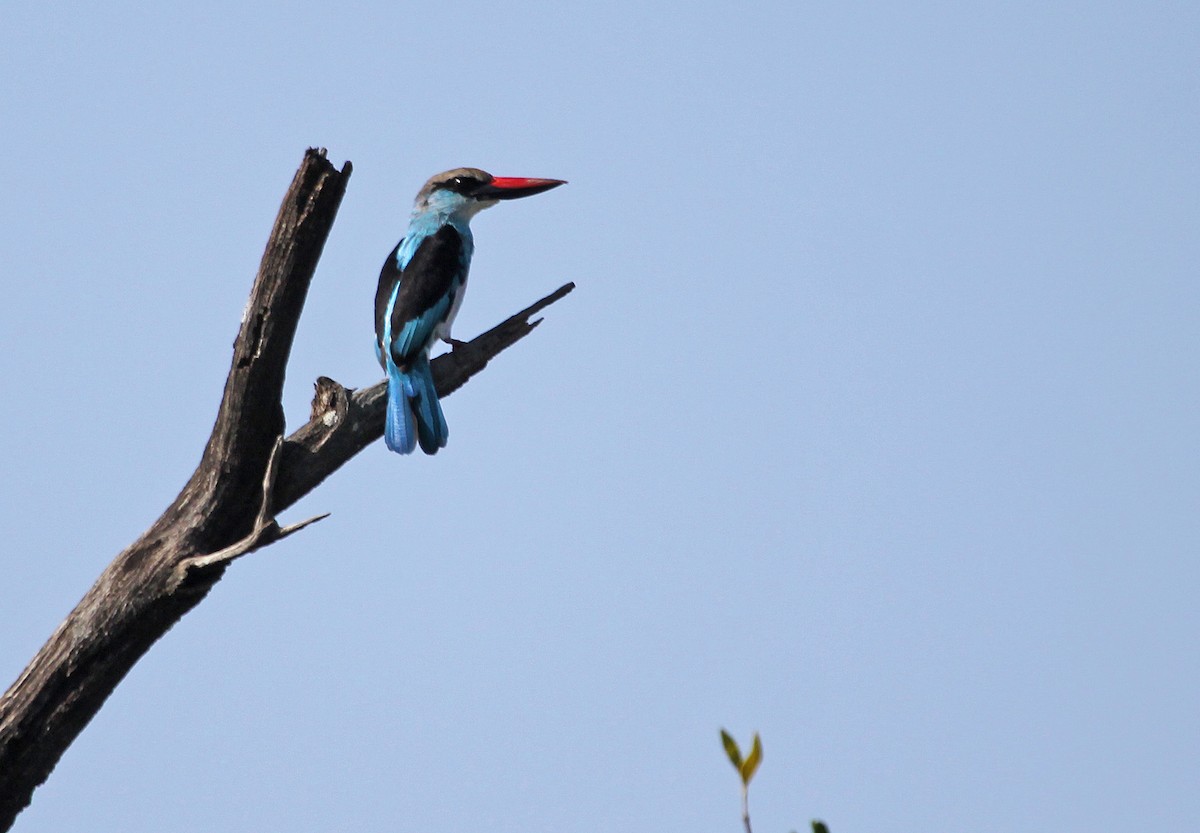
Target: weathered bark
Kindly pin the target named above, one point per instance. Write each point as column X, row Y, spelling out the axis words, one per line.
column 248, row 473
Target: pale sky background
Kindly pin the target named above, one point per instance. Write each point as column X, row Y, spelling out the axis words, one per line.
column 872, row 425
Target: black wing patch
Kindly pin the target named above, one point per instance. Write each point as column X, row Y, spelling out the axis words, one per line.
column 431, row 272
column 388, row 275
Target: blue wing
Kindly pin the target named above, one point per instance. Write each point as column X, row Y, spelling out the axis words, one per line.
column 413, row 300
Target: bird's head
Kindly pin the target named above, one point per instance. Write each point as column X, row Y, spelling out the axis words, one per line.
column 464, row 192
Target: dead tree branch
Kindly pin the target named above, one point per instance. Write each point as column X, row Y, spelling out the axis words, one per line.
column 247, row 474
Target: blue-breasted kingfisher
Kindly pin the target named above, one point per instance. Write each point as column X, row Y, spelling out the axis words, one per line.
column 420, row 290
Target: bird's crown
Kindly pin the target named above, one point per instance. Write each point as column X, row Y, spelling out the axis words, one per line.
column 460, row 180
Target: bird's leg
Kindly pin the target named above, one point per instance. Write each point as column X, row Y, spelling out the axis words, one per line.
column 454, row 342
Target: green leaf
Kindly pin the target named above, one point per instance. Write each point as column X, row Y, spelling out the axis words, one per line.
column 731, row 749
column 750, row 765
column 819, row 827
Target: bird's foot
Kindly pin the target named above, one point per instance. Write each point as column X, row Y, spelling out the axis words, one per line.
column 454, row 343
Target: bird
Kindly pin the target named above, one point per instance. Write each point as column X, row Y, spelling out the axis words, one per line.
column 420, row 290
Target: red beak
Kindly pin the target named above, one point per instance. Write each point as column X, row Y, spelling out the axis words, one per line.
column 511, row 187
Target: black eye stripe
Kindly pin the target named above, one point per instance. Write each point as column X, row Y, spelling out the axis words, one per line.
column 465, row 185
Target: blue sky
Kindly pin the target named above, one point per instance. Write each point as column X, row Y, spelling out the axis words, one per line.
column 871, row 425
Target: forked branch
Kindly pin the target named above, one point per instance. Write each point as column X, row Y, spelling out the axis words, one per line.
column 228, row 507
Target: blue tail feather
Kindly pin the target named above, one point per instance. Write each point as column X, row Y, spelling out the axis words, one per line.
column 432, row 431
column 399, row 432
column 414, row 412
